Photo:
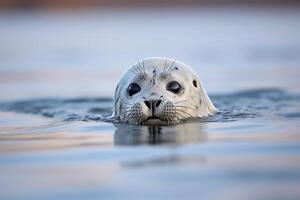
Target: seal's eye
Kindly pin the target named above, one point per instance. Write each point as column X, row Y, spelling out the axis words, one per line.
column 133, row 88
column 174, row 86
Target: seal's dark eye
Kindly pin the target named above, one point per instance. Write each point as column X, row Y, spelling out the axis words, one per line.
column 174, row 86
column 133, row 88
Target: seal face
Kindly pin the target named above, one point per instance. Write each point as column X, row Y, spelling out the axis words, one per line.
column 160, row 91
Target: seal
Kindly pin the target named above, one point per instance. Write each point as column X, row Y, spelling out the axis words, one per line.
column 160, row 91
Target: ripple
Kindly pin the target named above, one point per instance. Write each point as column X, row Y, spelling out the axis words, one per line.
column 234, row 106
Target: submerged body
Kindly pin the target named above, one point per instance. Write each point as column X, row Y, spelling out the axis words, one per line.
column 160, row 91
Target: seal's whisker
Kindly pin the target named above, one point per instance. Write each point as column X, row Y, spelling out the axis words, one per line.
column 127, row 107
column 167, row 120
column 177, row 118
column 170, row 68
column 183, row 117
column 131, row 118
column 144, row 70
column 181, row 106
column 141, row 69
column 165, row 66
column 126, row 113
column 139, row 120
column 184, row 112
column 138, row 69
column 180, row 101
column 133, row 70
column 128, row 110
column 177, row 113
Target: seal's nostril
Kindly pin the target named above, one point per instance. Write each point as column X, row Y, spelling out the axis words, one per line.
column 152, row 104
column 158, row 103
column 148, row 104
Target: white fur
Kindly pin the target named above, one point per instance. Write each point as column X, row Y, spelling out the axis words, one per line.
column 194, row 100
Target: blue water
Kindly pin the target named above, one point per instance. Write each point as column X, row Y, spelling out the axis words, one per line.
column 58, row 71
column 247, row 149
column 234, row 106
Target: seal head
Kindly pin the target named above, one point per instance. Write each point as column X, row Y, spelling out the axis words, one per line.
column 160, row 91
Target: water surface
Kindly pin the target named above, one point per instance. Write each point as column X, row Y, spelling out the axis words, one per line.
column 57, row 75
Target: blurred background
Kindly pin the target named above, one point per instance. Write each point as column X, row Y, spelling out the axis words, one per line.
column 56, row 56
column 119, row 3
column 80, row 48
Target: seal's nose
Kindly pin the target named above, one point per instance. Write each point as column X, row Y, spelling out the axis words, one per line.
column 152, row 104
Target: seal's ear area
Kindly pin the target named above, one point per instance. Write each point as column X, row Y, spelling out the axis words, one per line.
column 195, row 83
column 206, row 106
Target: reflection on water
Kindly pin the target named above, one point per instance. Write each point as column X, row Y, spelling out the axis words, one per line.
column 78, row 122
column 180, row 134
column 58, row 148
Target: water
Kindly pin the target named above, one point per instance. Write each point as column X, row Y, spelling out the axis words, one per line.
column 57, row 75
